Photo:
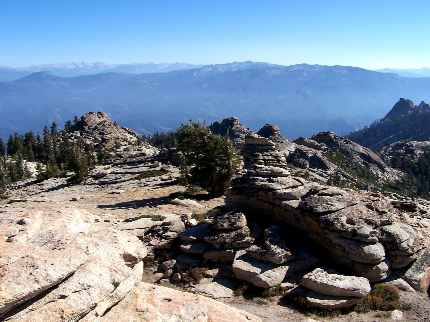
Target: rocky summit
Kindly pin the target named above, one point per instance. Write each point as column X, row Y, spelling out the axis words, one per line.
column 405, row 121
column 99, row 130
column 285, row 243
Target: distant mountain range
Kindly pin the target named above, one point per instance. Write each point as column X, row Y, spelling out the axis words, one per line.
column 405, row 122
column 412, row 72
column 302, row 99
column 81, row 69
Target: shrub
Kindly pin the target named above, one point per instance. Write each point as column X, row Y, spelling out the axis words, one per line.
column 382, row 298
column 207, row 160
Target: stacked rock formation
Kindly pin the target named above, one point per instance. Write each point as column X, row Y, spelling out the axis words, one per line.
column 228, row 251
column 270, row 263
column 214, row 242
column 367, row 233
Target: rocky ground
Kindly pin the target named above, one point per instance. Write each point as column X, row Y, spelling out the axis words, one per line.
column 131, row 244
column 57, row 237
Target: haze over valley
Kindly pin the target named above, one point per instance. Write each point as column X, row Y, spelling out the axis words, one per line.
column 301, row 99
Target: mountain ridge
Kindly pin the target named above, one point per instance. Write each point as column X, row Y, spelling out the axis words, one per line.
column 80, row 69
column 302, row 99
column 405, row 121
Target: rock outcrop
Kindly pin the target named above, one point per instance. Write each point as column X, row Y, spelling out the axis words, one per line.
column 364, row 232
column 98, row 129
column 406, row 121
column 227, row 251
column 60, row 264
column 231, row 128
column 332, row 159
column 153, row 303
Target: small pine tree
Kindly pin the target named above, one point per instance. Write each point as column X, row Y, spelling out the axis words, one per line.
column 68, row 126
column 2, row 148
column 207, row 159
column 20, row 168
column 4, row 178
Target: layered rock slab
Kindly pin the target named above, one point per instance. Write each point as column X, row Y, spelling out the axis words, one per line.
column 259, row 273
column 60, row 264
column 328, row 283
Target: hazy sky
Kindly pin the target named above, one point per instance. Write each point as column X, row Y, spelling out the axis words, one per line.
column 372, row 34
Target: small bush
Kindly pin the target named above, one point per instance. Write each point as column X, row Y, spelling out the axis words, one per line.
column 199, row 216
column 381, row 298
column 198, row 273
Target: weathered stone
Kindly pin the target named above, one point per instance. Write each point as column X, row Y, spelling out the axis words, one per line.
column 186, row 203
column 195, row 233
column 399, row 241
column 230, row 221
column 153, row 303
column 373, row 273
column 235, row 239
column 401, row 284
column 332, row 284
column 418, row 275
column 273, row 250
column 222, row 256
column 302, row 264
column 260, row 274
column 325, row 203
column 358, row 251
column 273, row 255
column 218, row 289
column 327, row 302
column 167, row 265
column 396, row 315
column 65, row 250
column 121, row 291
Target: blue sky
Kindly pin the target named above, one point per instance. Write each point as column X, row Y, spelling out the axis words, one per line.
column 372, row 34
